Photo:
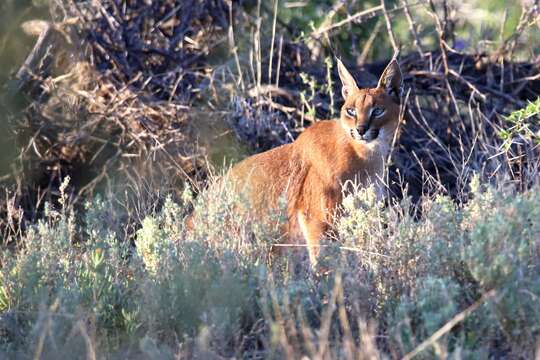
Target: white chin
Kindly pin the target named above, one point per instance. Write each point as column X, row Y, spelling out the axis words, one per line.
column 362, row 139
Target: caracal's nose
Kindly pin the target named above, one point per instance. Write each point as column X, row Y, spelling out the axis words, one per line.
column 362, row 129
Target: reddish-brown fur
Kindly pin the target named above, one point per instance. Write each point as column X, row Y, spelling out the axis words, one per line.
column 310, row 172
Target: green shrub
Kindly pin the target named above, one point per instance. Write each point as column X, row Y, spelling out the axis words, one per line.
column 502, row 252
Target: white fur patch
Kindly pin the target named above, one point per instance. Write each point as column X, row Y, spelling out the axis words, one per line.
column 379, row 145
column 303, row 226
column 307, row 237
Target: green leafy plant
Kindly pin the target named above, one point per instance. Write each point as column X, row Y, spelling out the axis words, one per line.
column 524, row 125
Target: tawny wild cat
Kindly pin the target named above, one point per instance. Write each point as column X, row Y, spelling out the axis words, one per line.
column 310, row 172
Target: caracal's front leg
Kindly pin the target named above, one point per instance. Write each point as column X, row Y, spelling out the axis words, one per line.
column 313, row 229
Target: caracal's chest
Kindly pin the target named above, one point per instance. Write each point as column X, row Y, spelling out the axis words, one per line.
column 363, row 166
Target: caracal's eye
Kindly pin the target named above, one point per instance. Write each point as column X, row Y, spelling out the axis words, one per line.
column 351, row 112
column 377, row 112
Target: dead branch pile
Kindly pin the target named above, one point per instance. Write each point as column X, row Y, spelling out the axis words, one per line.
column 109, row 87
column 158, row 46
column 456, row 107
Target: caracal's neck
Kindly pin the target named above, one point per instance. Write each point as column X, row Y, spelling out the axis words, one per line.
column 365, row 160
column 368, row 152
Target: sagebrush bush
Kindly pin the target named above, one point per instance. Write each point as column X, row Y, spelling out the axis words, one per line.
column 502, row 251
column 394, row 276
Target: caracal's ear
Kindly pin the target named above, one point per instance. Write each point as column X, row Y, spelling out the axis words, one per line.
column 391, row 80
column 347, row 80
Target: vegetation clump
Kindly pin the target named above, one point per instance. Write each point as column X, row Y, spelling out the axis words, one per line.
column 394, row 281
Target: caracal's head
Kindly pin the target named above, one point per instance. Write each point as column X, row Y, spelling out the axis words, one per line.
column 371, row 114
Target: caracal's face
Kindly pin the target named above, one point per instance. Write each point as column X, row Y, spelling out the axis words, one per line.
column 371, row 114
